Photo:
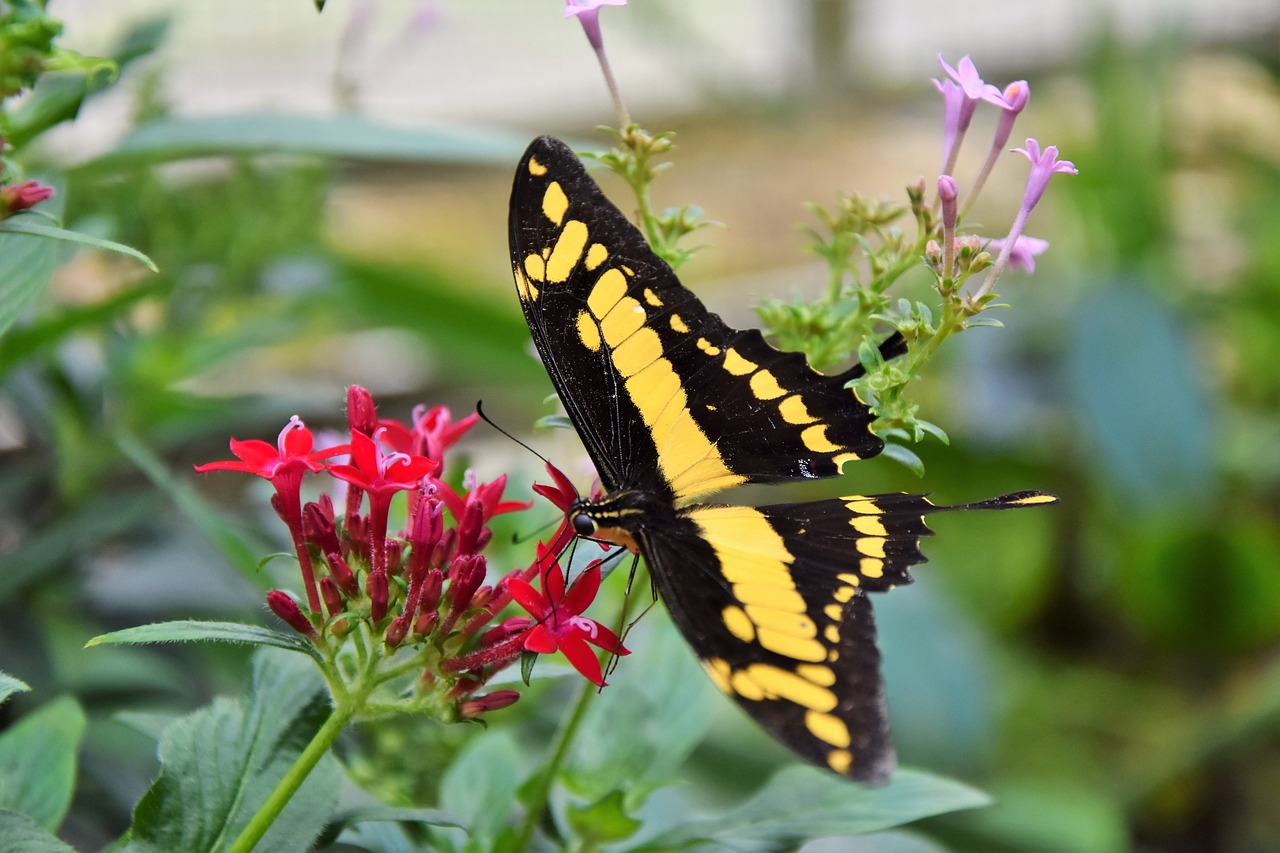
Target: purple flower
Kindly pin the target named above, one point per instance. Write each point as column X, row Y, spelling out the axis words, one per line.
column 969, row 79
column 960, row 96
column 588, row 14
column 1043, row 165
column 1024, row 251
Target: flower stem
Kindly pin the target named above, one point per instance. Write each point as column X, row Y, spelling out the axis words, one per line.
column 293, row 778
column 542, row 790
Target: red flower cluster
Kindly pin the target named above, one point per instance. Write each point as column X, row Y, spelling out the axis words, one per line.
column 422, row 588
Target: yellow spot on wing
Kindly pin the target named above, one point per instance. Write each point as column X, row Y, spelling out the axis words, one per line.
column 815, row 438
column 736, row 364
column 536, row 168
column 779, row 683
column 1033, row 500
column 790, row 623
column 596, row 255
column 567, row 251
column 528, row 290
column 608, row 289
column 636, row 352
column 843, row 594
column 718, row 669
column 791, row 647
column 536, row 268
column 827, row 728
column 555, row 203
column 652, row 298
column 872, row 546
column 834, row 612
column 588, row 332
column 738, row 623
column 765, row 386
column 868, row 525
column 849, row 579
column 862, row 506
column 832, row 633
column 794, row 412
column 840, row 760
column 678, row 324
column 842, row 458
column 745, row 686
column 626, row 318
column 823, row 676
column 871, row 567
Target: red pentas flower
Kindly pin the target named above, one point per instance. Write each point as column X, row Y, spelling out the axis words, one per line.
column 284, row 465
column 560, row 624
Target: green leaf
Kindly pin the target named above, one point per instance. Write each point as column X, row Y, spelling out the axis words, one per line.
column 205, row 796
column 1138, row 390
column 193, row 631
column 55, row 98
column 904, row 456
column 604, row 820
column 22, row 225
column 527, row 660
column 348, row 136
column 22, row 833
column 26, row 265
column 553, row 422
column 38, row 762
column 479, row 786
column 802, row 803
column 9, row 686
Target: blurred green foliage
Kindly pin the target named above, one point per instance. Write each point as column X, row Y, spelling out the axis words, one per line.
column 1107, row 670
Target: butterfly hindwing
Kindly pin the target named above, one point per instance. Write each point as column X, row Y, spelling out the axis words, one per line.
column 666, row 396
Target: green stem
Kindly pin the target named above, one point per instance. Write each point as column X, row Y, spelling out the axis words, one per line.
column 542, row 791
column 293, row 779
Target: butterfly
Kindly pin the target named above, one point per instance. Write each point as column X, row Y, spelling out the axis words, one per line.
column 673, row 404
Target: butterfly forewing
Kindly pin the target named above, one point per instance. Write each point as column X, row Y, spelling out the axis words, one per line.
column 666, row 396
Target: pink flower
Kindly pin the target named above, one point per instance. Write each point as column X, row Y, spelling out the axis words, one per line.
column 1043, row 167
column 1024, row 251
column 560, row 624
column 588, row 14
column 379, row 472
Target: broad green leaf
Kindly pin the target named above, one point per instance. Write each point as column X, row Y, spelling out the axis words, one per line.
column 349, row 136
column 21, row 833
column 9, row 686
column 26, row 265
column 56, row 98
column 1138, row 390
column 904, row 456
column 195, row 631
column 432, row 817
column 53, row 232
column 479, row 786
column 803, row 803
column 38, row 762
column 205, row 796
column 604, row 820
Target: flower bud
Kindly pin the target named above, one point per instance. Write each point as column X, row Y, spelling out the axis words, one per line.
column 342, row 574
column 362, row 414
column 283, row 605
column 379, row 593
column 431, row 587
column 425, row 623
column 335, row 604
column 470, row 526
column 318, row 527
column 396, row 631
column 494, row 701
column 18, row 197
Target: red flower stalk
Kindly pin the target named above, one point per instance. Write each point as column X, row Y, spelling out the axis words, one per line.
column 381, row 474
column 284, row 465
column 560, row 623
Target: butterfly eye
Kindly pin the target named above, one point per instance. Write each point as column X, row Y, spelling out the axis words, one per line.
column 583, row 524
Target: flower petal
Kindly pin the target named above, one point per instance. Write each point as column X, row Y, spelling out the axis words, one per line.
column 528, row 598
column 540, row 640
column 584, row 660
column 583, row 591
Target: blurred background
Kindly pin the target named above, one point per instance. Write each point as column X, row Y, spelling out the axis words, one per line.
column 326, row 195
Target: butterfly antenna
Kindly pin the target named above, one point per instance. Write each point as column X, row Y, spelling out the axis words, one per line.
column 490, row 422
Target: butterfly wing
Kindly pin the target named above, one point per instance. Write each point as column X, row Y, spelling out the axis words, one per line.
column 666, row 397
column 774, row 600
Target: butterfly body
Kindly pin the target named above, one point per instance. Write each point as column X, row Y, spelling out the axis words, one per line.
column 672, row 405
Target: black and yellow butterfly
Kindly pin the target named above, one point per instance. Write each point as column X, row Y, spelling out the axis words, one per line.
column 673, row 404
